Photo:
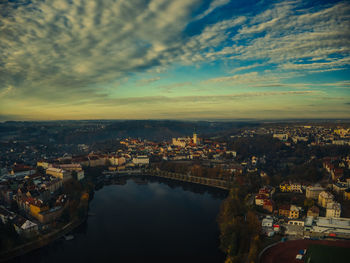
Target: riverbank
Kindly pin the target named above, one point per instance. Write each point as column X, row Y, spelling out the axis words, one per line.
column 41, row 241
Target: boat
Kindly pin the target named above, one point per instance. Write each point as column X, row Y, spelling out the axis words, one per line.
column 68, row 237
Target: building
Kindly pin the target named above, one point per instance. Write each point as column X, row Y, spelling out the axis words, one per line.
column 294, row 211
column 80, row 175
column 52, row 185
column 59, row 173
column 260, row 198
column 313, row 191
column 141, row 160
column 340, row 187
column 337, row 173
column 347, row 194
column 267, row 191
column 285, row 187
column 181, row 142
column 267, row 222
column 6, row 215
column 333, row 210
column 43, row 164
column 328, row 225
column 24, row 226
column 195, row 139
column 71, row 167
column 296, row 187
column 95, row 160
column 313, row 211
column 281, row 136
column 284, row 210
column 268, row 205
column 325, row 198
column 296, row 222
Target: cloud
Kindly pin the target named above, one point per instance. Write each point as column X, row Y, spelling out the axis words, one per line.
column 5, row 91
column 198, row 99
column 72, row 48
column 76, row 52
column 148, row 81
column 171, row 87
column 213, row 5
column 287, row 34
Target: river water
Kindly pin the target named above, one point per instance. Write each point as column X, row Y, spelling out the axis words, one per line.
column 156, row 220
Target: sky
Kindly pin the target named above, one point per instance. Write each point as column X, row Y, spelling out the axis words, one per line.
column 176, row 59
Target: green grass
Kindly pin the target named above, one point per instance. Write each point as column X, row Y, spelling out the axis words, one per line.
column 327, row 254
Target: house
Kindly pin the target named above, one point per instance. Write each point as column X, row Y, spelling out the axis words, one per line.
column 326, row 225
column 6, row 215
column 267, row 222
column 339, row 187
column 313, row 191
column 43, row 164
column 296, row 187
column 24, row 226
column 141, row 160
column 313, row 211
column 259, row 199
column 52, row 185
column 294, row 211
column 337, row 173
column 32, row 205
column 284, row 210
column 296, row 222
column 268, row 205
column 347, row 194
column 324, row 198
column 59, row 173
column 267, row 191
column 285, row 187
column 291, row 187
column 333, row 210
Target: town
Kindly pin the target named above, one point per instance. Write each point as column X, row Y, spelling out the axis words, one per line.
column 296, row 176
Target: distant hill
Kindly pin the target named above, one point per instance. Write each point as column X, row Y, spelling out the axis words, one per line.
column 89, row 131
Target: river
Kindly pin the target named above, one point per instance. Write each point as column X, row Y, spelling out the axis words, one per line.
column 155, row 220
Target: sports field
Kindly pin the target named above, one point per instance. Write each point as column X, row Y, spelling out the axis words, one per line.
column 286, row 251
column 327, row 254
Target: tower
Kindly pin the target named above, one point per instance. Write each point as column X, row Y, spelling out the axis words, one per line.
column 195, row 139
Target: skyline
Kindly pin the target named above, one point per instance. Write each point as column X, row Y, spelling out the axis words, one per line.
column 177, row 59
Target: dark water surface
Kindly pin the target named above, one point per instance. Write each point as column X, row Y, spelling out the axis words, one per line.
column 160, row 221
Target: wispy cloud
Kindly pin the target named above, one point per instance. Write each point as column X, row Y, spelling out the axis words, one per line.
column 76, row 52
column 60, row 46
column 148, row 81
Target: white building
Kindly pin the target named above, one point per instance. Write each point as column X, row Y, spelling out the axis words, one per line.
column 141, row 160
column 281, row 136
column 181, row 142
column 59, row 173
column 325, row 198
column 328, row 225
column 333, row 210
column 313, row 191
column 267, row 222
column 80, row 175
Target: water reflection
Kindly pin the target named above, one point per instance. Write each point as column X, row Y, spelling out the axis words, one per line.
column 143, row 219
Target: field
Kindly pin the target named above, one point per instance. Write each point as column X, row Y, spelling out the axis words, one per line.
column 286, row 252
column 327, row 254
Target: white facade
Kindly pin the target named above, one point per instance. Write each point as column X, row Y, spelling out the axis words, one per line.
column 281, row 136
column 333, row 210
column 267, row 222
column 313, row 191
column 80, row 175
column 325, row 198
column 329, row 225
column 141, row 160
